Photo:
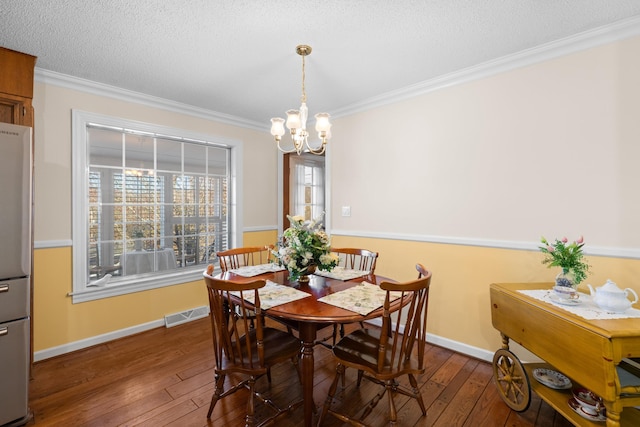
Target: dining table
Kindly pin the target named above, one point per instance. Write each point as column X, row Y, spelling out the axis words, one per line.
column 309, row 314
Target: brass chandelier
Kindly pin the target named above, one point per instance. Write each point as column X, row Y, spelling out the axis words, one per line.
column 297, row 121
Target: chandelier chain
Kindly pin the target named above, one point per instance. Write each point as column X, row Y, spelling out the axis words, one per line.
column 304, row 93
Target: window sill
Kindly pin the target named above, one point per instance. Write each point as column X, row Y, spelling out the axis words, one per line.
column 137, row 284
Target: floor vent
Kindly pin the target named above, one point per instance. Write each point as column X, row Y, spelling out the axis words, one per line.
column 185, row 316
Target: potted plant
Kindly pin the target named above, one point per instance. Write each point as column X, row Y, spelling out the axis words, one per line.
column 569, row 257
column 304, row 247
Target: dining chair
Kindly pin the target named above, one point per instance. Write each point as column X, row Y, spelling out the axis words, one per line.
column 244, row 351
column 97, row 269
column 240, row 257
column 354, row 259
column 382, row 355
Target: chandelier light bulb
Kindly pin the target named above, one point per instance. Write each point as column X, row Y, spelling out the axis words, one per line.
column 277, row 127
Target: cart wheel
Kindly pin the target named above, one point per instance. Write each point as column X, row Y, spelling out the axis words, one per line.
column 512, row 380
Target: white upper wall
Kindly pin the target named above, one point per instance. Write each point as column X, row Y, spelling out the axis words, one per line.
column 548, row 149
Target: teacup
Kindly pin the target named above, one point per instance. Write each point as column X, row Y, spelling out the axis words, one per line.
column 566, row 292
column 590, row 403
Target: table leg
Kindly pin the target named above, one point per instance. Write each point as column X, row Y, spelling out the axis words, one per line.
column 613, row 414
column 308, row 338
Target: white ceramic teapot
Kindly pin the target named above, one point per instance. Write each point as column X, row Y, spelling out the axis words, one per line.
column 611, row 298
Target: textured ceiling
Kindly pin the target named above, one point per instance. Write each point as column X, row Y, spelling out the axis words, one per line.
column 237, row 57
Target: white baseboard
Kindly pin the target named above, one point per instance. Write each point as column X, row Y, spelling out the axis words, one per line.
column 459, row 347
column 98, row 339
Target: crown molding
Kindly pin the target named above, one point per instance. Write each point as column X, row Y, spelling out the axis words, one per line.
column 100, row 89
column 620, row 30
column 596, row 37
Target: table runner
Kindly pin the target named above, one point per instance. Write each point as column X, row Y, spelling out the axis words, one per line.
column 273, row 294
column 256, row 270
column 363, row 298
column 586, row 309
column 341, row 273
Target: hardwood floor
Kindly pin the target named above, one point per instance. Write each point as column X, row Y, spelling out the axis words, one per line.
column 164, row 377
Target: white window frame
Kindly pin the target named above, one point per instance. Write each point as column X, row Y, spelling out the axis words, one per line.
column 80, row 207
column 298, row 182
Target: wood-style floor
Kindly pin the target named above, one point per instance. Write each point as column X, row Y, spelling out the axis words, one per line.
column 164, row 377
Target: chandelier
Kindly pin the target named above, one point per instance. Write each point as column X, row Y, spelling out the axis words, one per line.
column 297, row 121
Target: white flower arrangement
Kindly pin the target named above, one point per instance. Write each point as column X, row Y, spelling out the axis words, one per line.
column 303, row 245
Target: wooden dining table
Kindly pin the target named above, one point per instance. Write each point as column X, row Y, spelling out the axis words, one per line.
column 308, row 315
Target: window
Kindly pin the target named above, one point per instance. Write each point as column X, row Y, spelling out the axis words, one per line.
column 157, row 205
column 307, row 185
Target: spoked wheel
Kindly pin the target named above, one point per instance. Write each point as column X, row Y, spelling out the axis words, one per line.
column 512, row 380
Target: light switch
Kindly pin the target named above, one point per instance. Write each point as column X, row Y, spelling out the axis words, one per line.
column 346, row 211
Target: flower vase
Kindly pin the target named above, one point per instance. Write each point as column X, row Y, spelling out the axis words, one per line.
column 566, row 287
column 304, row 275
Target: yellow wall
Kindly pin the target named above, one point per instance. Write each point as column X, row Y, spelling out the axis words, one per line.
column 260, row 238
column 459, row 308
column 58, row 322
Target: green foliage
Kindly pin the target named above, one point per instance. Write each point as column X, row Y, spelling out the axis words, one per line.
column 567, row 256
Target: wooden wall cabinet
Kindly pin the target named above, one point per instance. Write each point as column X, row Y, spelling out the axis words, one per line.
column 16, row 87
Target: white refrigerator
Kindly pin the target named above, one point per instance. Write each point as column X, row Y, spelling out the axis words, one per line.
column 15, row 272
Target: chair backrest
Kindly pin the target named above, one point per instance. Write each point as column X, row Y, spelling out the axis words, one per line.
column 357, row 259
column 238, row 257
column 237, row 346
column 395, row 347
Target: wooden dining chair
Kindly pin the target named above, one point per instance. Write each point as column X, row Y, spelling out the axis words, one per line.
column 240, row 257
column 354, row 259
column 244, row 351
column 381, row 355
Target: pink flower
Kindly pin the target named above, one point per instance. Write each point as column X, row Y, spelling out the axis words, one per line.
column 551, row 248
column 565, row 240
column 580, row 240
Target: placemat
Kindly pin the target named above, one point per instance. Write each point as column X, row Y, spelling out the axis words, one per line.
column 273, row 294
column 586, row 309
column 256, row 270
column 341, row 273
column 363, row 298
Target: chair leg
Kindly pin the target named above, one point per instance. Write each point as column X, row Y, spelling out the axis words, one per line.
column 332, row 391
column 373, row 402
column 417, row 394
column 296, row 363
column 250, row 417
column 393, row 414
column 217, row 393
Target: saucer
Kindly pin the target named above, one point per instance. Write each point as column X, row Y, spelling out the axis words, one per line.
column 551, row 378
column 564, row 301
column 579, row 409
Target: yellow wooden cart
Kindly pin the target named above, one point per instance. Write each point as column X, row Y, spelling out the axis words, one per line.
column 586, row 351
